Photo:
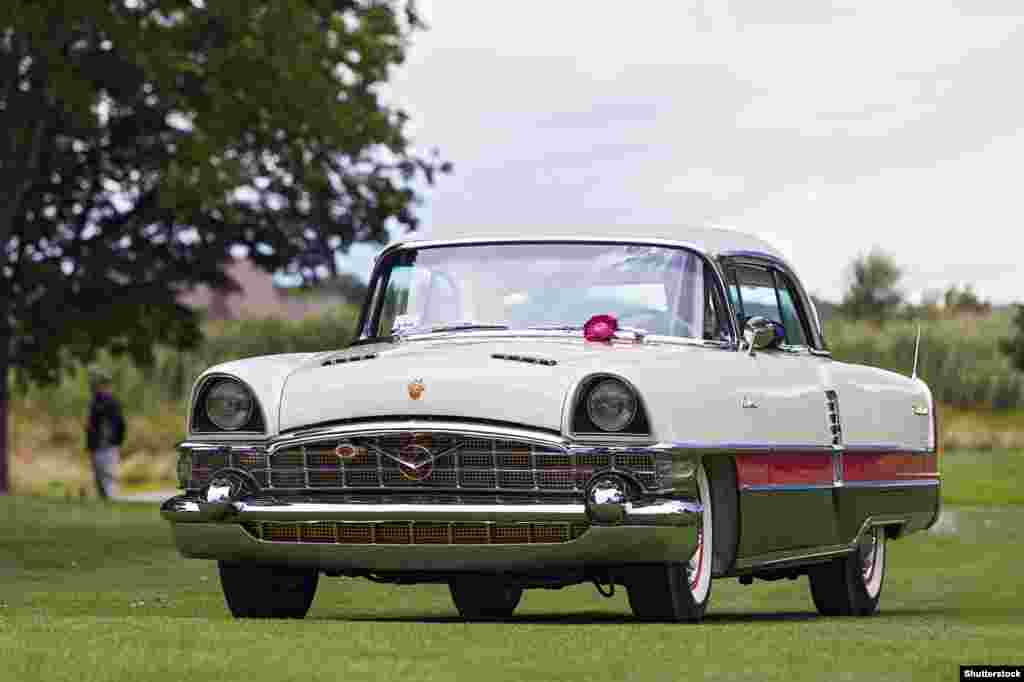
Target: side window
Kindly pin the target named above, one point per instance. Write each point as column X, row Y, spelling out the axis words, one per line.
column 796, row 332
column 734, row 293
column 757, row 294
column 768, row 293
column 396, row 299
column 716, row 325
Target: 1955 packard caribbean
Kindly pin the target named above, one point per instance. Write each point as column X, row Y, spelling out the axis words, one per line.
column 654, row 411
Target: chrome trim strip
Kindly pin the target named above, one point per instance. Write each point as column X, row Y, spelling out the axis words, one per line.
column 753, row 448
column 886, row 448
column 909, row 483
column 800, row 487
column 389, row 426
column 785, row 487
column 792, row 556
column 653, row 512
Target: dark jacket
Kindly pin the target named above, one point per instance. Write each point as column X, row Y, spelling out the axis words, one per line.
column 106, row 423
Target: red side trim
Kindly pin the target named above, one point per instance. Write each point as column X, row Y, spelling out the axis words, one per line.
column 888, row 466
column 780, row 468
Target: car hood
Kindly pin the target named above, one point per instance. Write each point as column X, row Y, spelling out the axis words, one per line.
column 461, row 378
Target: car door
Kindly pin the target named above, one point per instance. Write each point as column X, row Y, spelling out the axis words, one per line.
column 785, row 463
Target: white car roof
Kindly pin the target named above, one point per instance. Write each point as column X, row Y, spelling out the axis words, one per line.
column 712, row 241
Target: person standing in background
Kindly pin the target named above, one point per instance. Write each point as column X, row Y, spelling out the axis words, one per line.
column 104, row 433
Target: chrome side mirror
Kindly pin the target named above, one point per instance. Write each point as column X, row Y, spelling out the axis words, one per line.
column 761, row 333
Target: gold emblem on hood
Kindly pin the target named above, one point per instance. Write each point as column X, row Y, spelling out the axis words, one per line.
column 416, row 389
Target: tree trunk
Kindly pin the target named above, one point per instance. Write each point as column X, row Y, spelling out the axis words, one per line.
column 4, row 478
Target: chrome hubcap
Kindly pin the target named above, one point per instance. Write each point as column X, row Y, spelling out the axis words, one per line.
column 869, row 556
column 696, row 562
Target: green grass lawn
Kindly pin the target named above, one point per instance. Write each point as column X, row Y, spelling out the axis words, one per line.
column 93, row 592
column 982, row 477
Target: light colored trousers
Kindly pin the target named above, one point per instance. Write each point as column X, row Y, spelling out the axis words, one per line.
column 104, row 464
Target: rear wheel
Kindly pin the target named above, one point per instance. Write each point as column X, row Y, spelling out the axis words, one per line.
column 484, row 597
column 851, row 585
column 677, row 592
column 267, row 591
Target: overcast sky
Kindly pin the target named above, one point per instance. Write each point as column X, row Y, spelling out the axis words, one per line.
column 828, row 129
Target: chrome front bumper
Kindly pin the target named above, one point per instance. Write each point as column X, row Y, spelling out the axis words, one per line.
column 663, row 530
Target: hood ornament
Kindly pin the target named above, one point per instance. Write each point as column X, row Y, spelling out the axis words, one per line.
column 416, row 389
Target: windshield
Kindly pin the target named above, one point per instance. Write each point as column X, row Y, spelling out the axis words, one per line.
column 659, row 289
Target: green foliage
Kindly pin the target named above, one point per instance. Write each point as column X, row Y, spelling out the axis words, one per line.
column 127, row 130
column 960, row 358
column 957, row 301
column 1013, row 345
column 873, row 292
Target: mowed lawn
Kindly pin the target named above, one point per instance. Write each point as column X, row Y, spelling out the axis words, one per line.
column 96, row 592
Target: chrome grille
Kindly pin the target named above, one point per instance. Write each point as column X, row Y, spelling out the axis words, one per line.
column 461, row 462
column 414, row 532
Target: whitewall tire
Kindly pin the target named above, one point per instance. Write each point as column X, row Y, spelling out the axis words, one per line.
column 852, row 585
column 677, row 592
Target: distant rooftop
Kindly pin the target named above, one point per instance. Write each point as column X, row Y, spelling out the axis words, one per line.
column 258, row 297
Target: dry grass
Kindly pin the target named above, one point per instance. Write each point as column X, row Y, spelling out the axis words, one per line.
column 981, row 429
column 48, row 451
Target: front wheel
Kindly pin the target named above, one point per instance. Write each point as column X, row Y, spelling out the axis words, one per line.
column 267, row 591
column 677, row 592
column 483, row 597
column 851, row 585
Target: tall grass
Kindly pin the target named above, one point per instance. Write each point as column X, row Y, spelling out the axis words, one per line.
column 960, row 358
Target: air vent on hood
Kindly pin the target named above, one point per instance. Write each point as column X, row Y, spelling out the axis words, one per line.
column 531, row 359
column 348, row 358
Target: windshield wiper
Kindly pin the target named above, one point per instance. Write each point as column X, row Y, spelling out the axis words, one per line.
column 451, row 328
column 557, row 327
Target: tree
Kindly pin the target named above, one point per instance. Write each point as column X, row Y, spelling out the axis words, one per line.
column 964, row 301
column 1014, row 345
column 873, row 292
column 143, row 141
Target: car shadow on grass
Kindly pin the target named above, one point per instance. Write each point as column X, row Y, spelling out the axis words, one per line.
column 577, row 618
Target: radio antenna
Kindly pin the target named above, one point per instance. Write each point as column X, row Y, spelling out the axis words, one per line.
column 917, row 348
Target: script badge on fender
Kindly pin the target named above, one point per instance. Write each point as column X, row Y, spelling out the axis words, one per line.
column 416, row 389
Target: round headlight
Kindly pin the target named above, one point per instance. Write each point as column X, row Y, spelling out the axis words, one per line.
column 611, row 405
column 229, row 405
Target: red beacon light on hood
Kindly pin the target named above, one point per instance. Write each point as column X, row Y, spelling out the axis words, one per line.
column 600, row 328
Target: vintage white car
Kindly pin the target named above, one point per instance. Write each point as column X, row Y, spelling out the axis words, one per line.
column 654, row 410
